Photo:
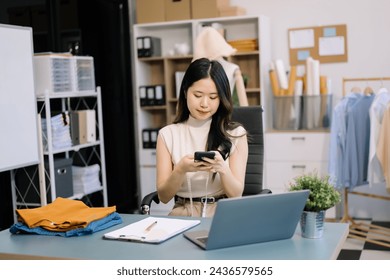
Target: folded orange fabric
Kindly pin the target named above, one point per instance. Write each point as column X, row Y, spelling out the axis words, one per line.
column 63, row 214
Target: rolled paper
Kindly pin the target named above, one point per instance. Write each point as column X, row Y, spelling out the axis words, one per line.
column 274, row 82
column 298, row 88
column 309, row 74
column 316, row 76
column 303, row 79
column 282, row 76
column 293, row 77
column 323, row 85
column 329, row 86
column 283, row 91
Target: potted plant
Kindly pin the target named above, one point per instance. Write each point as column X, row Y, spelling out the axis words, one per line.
column 323, row 196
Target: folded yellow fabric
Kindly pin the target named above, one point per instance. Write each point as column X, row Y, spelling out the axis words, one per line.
column 63, row 214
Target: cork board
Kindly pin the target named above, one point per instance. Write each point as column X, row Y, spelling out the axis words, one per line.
column 328, row 44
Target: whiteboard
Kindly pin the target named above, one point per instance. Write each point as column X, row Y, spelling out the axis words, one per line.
column 18, row 107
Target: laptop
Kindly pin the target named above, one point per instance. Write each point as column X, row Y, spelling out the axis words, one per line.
column 252, row 219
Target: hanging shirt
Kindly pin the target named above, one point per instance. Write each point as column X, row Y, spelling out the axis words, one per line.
column 378, row 107
column 383, row 151
column 337, row 148
column 357, row 142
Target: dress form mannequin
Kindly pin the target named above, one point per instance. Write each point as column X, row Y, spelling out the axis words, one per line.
column 211, row 44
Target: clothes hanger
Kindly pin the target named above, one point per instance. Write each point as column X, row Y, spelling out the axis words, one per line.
column 356, row 90
column 368, row 91
column 382, row 88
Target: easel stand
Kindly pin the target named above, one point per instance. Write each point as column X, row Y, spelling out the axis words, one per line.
column 362, row 231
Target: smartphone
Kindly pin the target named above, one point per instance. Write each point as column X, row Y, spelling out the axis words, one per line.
column 199, row 155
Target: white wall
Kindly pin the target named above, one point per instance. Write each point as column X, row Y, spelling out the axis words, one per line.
column 368, row 36
column 368, row 26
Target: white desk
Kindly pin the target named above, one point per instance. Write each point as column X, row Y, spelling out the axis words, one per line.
column 94, row 247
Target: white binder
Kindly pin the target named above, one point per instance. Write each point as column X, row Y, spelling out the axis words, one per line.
column 83, row 124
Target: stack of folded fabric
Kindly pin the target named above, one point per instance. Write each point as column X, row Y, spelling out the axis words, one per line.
column 60, row 131
column 244, row 45
column 65, row 217
column 86, row 179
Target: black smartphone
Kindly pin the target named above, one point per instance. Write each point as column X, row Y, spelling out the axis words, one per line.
column 199, row 155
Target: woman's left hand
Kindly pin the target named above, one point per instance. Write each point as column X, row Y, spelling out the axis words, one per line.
column 215, row 165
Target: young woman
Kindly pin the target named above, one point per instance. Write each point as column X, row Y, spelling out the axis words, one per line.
column 203, row 123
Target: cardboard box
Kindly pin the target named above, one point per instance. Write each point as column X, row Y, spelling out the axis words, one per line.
column 207, row 8
column 231, row 11
column 177, row 10
column 150, row 11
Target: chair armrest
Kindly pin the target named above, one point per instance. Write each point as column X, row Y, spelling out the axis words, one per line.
column 265, row 191
column 147, row 201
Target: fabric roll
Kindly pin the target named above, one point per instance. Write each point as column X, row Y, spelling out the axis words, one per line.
column 309, row 74
column 292, row 79
column 316, row 76
column 312, row 86
column 298, row 88
column 323, row 85
column 282, row 76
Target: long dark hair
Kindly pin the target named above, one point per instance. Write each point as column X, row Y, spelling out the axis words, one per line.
column 218, row 138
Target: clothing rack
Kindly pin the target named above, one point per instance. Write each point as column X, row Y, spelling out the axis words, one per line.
column 375, row 79
column 362, row 231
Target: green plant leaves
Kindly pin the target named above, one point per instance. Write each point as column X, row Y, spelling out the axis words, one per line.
column 322, row 195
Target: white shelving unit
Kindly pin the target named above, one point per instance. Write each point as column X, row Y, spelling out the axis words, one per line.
column 41, row 178
column 160, row 70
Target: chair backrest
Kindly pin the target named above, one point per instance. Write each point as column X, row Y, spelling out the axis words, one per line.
column 251, row 118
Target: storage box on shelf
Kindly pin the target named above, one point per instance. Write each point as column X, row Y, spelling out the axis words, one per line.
column 150, row 11
column 163, row 69
column 63, row 73
column 28, row 179
column 208, row 8
column 177, row 9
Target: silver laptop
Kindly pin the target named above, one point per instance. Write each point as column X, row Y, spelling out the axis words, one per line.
column 252, row 219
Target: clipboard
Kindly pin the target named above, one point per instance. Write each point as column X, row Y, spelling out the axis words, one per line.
column 151, row 230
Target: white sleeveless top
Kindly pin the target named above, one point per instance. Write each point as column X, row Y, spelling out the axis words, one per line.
column 186, row 138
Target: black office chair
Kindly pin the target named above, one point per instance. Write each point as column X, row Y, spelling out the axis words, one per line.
column 252, row 119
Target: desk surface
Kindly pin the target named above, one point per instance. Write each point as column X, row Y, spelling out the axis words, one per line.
column 93, row 247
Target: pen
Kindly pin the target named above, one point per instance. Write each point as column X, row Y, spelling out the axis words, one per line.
column 148, row 228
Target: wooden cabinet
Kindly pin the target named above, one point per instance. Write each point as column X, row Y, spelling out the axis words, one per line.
column 160, row 70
